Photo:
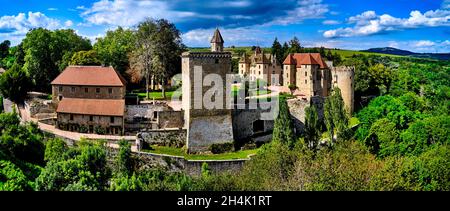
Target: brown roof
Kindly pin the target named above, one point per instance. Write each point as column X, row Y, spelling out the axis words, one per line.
column 97, row 107
column 305, row 58
column 90, row 76
column 217, row 38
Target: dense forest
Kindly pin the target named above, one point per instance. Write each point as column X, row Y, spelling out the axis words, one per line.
column 401, row 139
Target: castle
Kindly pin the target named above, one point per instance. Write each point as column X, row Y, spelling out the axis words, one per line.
column 91, row 99
column 261, row 65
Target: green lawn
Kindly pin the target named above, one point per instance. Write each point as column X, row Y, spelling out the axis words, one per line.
column 155, row 94
column 180, row 152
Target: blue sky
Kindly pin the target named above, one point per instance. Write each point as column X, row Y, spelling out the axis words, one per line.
column 416, row 25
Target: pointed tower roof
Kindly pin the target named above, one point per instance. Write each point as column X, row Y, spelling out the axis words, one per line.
column 217, row 38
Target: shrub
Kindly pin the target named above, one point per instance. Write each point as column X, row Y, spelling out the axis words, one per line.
column 221, row 148
column 99, row 130
column 83, row 129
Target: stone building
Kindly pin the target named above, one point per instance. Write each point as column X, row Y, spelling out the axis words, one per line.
column 309, row 73
column 261, row 65
column 90, row 99
column 205, row 126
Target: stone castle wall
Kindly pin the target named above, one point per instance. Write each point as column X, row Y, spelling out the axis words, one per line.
column 163, row 137
column 343, row 77
column 205, row 126
column 297, row 110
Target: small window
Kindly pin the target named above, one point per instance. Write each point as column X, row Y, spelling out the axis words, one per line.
column 97, row 90
column 60, row 89
column 71, row 117
column 259, row 72
column 72, row 89
column 306, row 73
column 91, row 118
column 306, row 81
column 86, row 90
column 287, row 75
column 111, row 119
column 217, row 61
column 110, row 90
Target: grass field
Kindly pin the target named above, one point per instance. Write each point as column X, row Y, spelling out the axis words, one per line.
column 155, row 94
column 180, row 152
column 349, row 53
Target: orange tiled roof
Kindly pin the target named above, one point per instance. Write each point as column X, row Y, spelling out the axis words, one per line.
column 90, row 76
column 97, row 107
column 305, row 58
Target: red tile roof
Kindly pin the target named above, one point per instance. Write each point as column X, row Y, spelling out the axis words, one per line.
column 89, row 76
column 305, row 58
column 97, row 107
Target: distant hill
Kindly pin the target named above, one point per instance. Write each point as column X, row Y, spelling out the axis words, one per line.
column 395, row 51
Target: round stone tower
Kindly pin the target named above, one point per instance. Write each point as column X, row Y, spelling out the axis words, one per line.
column 343, row 77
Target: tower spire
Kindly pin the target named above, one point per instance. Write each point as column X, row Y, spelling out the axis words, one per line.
column 217, row 41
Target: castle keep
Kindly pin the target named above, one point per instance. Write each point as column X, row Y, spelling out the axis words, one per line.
column 206, row 126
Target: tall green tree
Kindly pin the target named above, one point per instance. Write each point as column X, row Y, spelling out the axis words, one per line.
column 14, row 84
column 295, row 46
column 4, row 49
column 283, row 131
column 85, row 58
column 157, row 55
column 47, row 53
column 335, row 114
column 285, row 50
column 312, row 127
column 115, row 47
column 277, row 50
column 123, row 160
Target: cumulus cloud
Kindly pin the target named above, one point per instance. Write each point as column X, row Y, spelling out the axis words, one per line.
column 330, row 22
column 189, row 15
column 68, row 23
column 235, row 36
column 424, row 43
column 22, row 23
column 369, row 23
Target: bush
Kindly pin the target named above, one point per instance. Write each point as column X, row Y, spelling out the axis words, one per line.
column 83, row 129
column 221, row 148
column 100, row 130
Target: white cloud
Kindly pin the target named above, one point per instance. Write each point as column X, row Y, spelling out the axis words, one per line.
column 306, row 9
column 331, row 22
column 235, row 36
column 424, row 43
column 52, row 9
column 393, row 44
column 68, row 23
column 130, row 13
column 369, row 23
column 21, row 23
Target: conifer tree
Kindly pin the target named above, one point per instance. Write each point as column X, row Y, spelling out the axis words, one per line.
column 312, row 124
column 283, row 131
